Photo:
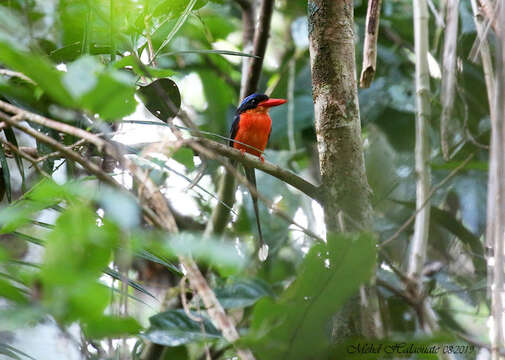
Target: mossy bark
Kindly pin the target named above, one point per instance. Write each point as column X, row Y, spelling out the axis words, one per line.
column 338, row 129
column 346, row 201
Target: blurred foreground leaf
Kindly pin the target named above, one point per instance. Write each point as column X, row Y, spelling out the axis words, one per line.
column 329, row 275
column 111, row 326
column 174, row 328
column 242, row 293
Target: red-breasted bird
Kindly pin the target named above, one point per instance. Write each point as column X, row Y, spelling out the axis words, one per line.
column 249, row 133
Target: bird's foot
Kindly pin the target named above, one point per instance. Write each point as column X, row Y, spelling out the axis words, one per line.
column 262, row 158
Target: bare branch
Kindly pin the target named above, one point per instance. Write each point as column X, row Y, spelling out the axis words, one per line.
column 370, row 44
column 260, row 44
column 422, row 153
column 26, row 156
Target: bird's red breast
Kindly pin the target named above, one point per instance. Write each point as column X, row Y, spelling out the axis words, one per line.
column 254, row 127
column 254, row 130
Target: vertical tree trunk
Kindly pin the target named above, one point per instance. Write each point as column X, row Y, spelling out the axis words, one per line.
column 347, row 202
column 331, row 36
column 423, row 182
column 496, row 195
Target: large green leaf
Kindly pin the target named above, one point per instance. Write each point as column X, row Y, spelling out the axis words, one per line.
column 162, row 98
column 174, row 328
column 111, row 326
column 329, row 275
column 242, row 293
column 37, row 68
column 81, row 247
column 105, row 91
column 225, row 256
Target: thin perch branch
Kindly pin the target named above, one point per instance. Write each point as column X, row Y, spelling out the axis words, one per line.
column 252, row 161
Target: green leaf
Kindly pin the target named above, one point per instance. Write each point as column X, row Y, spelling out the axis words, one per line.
column 242, row 293
column 445, row 219
column 37, row 68
column 147, row 255
column 185, row 157
column 111, row 326
column 174, row 328
column 81, row 247
column 105, row 91
column 131, row 61
column 162, row 98
column 223, row 255
column 11, row 292
column 329, row 275
column 18, row 214
column 180, row 21
column 120, row 207
column 117, row 276
column 10, row 351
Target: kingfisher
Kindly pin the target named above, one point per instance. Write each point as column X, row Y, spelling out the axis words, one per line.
column 249, row 133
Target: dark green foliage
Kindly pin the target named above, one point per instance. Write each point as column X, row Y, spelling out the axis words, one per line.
column 84, row 63
column 161, row 98
column 329, row 275
column 175, row 328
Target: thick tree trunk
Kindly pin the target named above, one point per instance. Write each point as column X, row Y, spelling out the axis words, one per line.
column 331, row 35
column 346, row 202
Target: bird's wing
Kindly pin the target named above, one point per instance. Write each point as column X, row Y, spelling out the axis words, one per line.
column 234, row 129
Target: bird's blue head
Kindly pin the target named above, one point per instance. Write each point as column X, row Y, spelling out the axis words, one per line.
column 255, row 100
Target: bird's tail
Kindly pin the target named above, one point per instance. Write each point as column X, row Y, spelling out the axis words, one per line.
column 263, row 249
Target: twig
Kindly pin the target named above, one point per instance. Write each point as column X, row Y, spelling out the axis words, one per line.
column 370, row 43
column 291, row 103
column 428, row 198
column 248, row 15
column 57, row 153
column 26, row 156
column 89, row 166
column 185, row 306
column 491, row 12
column 10, row 73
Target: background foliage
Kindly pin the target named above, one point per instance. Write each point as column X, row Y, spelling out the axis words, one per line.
column 75, row 254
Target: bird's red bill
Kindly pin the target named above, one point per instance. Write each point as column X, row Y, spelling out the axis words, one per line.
column 272, row 102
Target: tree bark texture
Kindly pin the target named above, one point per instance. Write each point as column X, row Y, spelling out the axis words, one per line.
column 331, row 35
column 346, row 194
